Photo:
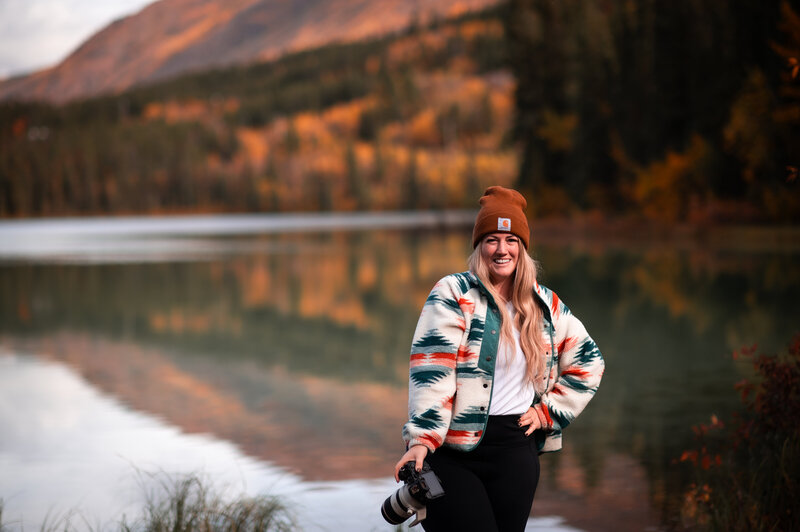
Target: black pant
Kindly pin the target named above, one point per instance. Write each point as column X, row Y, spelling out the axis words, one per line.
column 487, row 489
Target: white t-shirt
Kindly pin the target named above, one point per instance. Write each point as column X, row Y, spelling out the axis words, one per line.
column 512, row 392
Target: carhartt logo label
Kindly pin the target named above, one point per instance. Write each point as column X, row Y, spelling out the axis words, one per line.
column 504, row 224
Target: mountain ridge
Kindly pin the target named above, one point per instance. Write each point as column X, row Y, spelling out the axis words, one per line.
column 172, row 37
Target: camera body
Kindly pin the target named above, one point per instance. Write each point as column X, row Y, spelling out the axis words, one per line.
column 411, row 498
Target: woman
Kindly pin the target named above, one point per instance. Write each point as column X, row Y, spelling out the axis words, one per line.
column 499, row 366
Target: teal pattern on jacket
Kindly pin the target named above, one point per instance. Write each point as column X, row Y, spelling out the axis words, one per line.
column 452, row 364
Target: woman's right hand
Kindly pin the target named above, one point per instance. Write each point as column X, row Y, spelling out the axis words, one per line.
column 416, row 453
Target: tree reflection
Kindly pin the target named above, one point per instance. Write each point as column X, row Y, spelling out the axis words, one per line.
column 288, row 345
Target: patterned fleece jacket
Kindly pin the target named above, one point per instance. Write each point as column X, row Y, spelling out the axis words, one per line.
column 452, row 367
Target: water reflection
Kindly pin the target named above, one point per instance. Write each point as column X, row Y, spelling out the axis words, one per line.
column 294, row 347
column 72, row 455
column 68, row 450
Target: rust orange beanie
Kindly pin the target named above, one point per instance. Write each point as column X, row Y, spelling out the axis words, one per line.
column 502, row 209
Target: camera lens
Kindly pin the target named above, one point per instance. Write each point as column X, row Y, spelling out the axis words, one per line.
column 393, row 509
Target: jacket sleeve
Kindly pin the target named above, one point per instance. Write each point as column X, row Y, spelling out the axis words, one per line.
column 580, row 369
column 432, row 376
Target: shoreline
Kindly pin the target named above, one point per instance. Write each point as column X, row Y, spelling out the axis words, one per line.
column 629, row 232
column 586, row 230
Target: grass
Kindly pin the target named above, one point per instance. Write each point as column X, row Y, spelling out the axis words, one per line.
column 185, row 504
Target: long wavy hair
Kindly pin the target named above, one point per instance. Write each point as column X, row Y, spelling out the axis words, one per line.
column 529, row 317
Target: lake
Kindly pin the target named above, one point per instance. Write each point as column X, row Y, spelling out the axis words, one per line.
column 270, row 355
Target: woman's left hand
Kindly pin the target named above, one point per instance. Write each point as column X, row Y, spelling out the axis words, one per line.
column 530, row 418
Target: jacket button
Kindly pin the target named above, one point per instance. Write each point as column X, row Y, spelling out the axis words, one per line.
column 485, row 385
column 488, row 359
column 483, row 408
column 494, row 332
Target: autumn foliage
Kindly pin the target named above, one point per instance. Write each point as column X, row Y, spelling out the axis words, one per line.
column 360, row 126
column 748, row 470
column 668, row 112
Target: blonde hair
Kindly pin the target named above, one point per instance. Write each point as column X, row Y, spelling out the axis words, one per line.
column 529, row 316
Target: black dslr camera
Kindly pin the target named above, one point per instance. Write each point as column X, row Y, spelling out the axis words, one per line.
column 411, row 498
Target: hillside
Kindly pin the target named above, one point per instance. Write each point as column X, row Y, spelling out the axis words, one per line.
column 366, row 125
column 426, row 117
column 171, row 37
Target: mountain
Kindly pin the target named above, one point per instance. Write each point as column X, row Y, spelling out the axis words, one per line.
column 170, row 37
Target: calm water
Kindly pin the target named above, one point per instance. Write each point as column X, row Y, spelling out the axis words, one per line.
column 271, row 355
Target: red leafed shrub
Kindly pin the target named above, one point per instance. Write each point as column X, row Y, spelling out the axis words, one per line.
column 748, row 471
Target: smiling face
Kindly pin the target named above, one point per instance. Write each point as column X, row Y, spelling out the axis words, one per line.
column 500, row 252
